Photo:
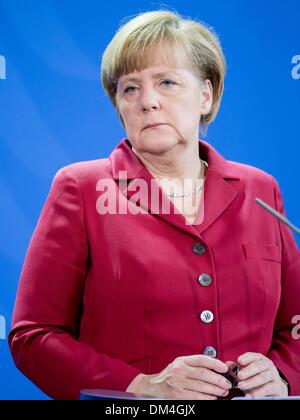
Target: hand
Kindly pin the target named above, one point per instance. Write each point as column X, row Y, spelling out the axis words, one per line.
column 194, row 377
column 259, row 377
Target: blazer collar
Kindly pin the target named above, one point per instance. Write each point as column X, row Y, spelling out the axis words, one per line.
column 218, row 192
column 124, row 160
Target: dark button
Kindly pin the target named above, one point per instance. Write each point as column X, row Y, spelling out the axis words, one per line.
column 199, row 249
column 210, row 351
column 205, row 280
column 207, row 317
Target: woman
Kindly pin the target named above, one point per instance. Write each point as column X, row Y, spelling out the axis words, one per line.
column 154, row 271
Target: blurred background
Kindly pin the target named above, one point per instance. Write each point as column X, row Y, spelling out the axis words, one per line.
column 53, row 110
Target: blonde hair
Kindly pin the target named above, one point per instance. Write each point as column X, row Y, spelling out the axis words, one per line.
column 136, row 43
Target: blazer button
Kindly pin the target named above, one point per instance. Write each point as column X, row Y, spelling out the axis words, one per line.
column 207, row 317
column 204, row 280
column 199, row 249
column 210, row 351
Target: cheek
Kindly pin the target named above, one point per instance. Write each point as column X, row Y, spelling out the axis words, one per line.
column 184, row 116
column 132, row 123
column 192, row 113
column 127, row 117
column 132, row 126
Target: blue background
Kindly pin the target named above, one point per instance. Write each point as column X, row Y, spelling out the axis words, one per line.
column 53, row 110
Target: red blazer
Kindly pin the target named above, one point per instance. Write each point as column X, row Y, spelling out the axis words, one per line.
column 103, row 297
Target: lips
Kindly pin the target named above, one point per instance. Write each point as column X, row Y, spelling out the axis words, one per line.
column 153, row 125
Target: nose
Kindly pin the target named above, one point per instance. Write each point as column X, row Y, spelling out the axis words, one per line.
column 149, row 100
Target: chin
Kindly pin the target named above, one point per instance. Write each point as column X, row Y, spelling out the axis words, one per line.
column 153, row 144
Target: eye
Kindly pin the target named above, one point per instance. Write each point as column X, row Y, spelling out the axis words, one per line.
column 128, row 89
column 168, row 82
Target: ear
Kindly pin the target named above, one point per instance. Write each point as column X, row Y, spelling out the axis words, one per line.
column 207, row 95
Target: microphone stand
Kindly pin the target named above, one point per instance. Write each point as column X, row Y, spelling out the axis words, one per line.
column 278, row 215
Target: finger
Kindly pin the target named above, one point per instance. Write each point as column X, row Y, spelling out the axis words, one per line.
column 253, row 369
column 267, row 390
column 230, row 364
column 206, row 361
column 177, row 391
column 247, row 358
column 256, row 381
column 205, row 388
column 209, row 376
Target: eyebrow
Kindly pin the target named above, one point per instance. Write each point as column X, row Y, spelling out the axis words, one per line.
column 154, row 76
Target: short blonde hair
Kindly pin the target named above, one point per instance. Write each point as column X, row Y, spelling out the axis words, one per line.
column 136, row 43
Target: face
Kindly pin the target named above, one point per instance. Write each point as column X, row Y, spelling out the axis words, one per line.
column 173, row 97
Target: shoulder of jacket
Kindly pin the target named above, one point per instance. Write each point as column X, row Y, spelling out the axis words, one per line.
column 250, row 173
column 90, row 170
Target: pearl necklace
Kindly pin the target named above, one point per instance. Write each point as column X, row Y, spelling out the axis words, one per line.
column 194, row 190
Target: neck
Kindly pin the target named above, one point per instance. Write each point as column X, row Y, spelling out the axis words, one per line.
column 180, row 164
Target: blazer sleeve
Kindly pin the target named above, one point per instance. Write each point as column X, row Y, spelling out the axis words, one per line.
column 285, row 351
column 44, row 336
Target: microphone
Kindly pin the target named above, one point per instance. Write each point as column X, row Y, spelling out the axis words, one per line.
column 278, row 215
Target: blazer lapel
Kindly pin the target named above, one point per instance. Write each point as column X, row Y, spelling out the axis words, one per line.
column 145, row 196
column 218, row 196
